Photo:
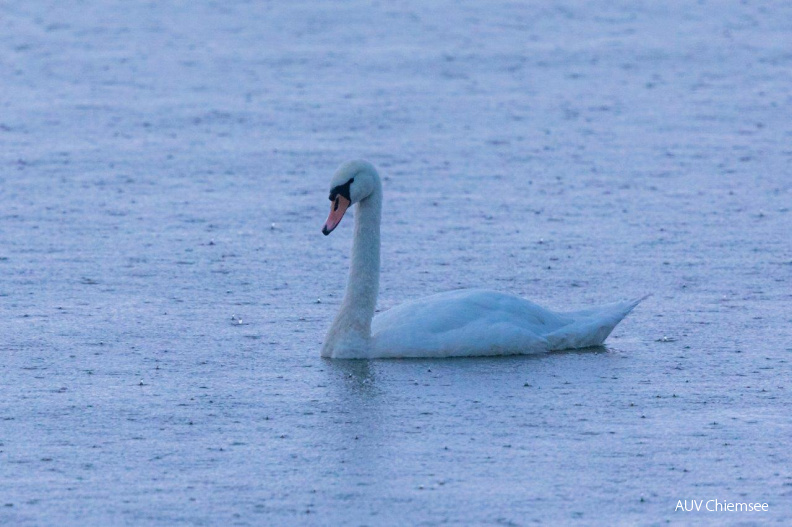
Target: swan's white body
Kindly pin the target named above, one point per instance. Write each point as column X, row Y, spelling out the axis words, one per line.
column 463, row 323
column 478, row 322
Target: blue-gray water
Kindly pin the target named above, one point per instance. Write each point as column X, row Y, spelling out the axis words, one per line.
column 164, row 285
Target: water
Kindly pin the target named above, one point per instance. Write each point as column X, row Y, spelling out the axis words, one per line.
column 165, row 285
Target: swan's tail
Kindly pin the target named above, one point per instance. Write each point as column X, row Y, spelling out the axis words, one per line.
column 590, row 327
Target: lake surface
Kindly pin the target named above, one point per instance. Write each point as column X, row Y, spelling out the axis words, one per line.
column 165, row 287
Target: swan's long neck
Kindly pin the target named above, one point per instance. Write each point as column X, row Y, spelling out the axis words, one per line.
column 351, row 329
column 363, row 285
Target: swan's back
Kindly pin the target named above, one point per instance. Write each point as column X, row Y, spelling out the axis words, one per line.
column 474, row 322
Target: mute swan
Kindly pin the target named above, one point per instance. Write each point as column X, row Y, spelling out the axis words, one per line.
column 463, row 323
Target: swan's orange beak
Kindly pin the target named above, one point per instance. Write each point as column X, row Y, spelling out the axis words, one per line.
column 337, row 210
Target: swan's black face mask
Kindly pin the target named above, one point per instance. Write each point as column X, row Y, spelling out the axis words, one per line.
column 339, row 196
column 342, row 190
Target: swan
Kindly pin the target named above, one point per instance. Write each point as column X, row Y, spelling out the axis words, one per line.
column 461, row 323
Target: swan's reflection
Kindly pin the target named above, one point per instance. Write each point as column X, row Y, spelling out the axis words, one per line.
column 356, row 375
column 355, row 423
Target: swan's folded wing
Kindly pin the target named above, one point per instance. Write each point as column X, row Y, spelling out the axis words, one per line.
column 463, row 323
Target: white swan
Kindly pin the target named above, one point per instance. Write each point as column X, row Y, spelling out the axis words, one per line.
column 463, row 323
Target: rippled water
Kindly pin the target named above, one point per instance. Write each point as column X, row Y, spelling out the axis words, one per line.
column 165, row 285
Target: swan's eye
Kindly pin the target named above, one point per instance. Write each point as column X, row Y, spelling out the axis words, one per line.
column 335, row 207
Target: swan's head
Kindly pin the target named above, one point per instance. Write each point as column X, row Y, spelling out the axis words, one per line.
column 354, row 181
